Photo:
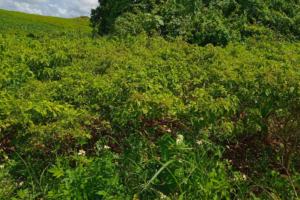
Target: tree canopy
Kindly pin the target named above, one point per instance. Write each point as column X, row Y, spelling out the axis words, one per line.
column 200, row 22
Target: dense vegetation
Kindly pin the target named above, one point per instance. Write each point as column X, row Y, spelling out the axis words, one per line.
column 148, row 116
column 200, row 22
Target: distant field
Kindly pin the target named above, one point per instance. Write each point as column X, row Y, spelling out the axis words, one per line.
column 23, row 24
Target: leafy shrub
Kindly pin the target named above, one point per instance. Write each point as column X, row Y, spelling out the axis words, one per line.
column 69, row 85
column 6, row 183
column 216, row 22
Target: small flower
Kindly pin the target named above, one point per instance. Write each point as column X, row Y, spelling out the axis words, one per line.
column 179, row 139
column 81, row 152
column 199, row 142
column 21, row 183
column 110, row 106
column 158, row 158
column 236, row 178
column 179, row 159
column 2, row 166
column 227, row 146
column 106, row 147
column 168, row 130
column 244, row 177
column 163, row 196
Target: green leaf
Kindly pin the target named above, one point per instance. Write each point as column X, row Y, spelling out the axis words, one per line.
column 56, row 172
column 116, row 179
column 102, row 192
column 23, row 193
column 158, row 172
column 181, row 196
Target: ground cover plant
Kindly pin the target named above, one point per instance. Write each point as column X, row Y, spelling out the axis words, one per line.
column 139, row 117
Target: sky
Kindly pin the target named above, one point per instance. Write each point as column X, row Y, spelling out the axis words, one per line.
column 55, row 8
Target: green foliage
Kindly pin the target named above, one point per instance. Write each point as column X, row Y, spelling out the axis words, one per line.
column 204, row 22
column 6, row 184
column 71, row 83
column 170, row 83
column 90, row 180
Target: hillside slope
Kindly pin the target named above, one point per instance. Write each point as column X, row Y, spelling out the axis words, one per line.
column 18, row 23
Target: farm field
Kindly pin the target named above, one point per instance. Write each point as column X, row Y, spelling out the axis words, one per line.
column 140, row 117
column 24, row 24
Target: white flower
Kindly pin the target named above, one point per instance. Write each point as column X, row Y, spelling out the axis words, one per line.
column 81, row 152
column 21, row 183
column 244, row 177
column 227, row 146
column 179, row 139
column 168, row 130
column 106, row 147
column 179, row 159
column 2, row 166
column 110, row 106
column 163, row 196
column 199, row 142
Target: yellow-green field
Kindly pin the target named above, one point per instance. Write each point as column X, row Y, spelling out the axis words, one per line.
column 22, row 24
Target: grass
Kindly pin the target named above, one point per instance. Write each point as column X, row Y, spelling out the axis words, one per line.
column 22, row 23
